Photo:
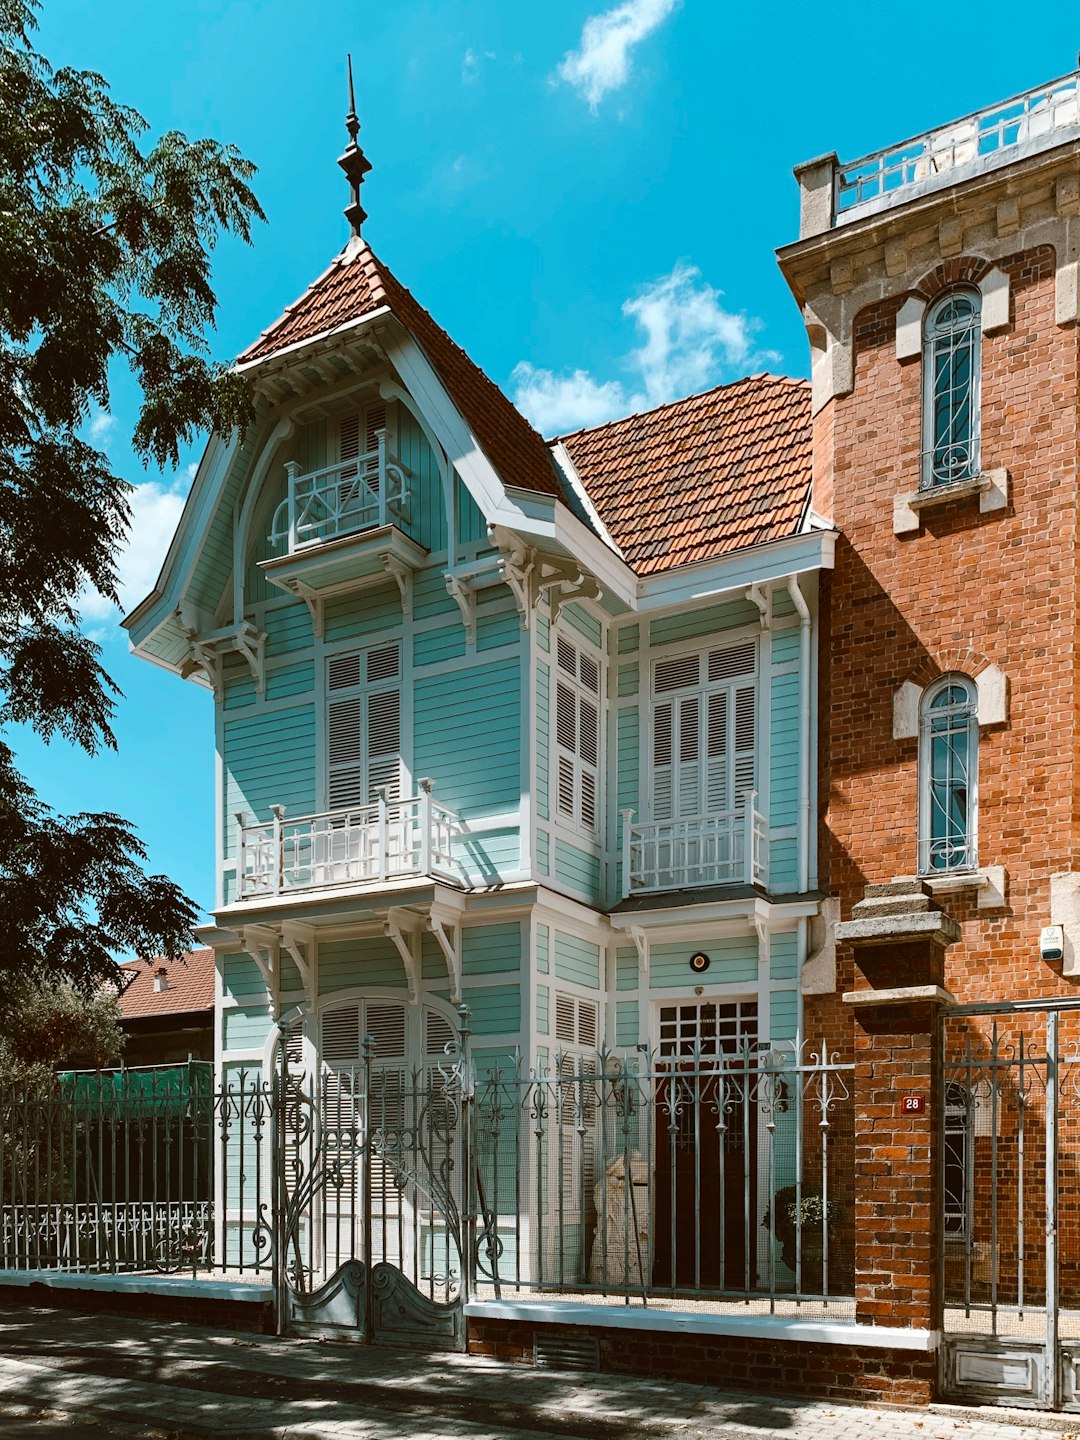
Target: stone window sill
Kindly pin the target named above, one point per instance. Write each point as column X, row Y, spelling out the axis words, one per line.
column 991, row 486
column 988, row 883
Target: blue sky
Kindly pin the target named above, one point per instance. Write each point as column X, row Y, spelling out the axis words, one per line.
column 587, row 195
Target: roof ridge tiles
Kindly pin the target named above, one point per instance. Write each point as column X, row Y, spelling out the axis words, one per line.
column 795, row 380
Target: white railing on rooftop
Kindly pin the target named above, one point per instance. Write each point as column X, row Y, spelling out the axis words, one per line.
column 727, row 849
column 363, row 493
column 363, row 844
column 992, row 136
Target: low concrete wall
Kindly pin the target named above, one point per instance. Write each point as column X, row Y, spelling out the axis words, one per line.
column 781, row 1358
column 219, row 1304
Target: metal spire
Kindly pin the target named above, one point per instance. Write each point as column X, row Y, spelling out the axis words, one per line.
column 354, row 162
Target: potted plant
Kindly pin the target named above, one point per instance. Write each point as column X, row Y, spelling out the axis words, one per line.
column 809, row 1215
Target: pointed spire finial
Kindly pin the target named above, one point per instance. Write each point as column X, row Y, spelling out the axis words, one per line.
column 354, row 162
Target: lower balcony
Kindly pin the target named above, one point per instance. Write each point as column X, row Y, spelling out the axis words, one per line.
column 727, row 849
column 362, row 845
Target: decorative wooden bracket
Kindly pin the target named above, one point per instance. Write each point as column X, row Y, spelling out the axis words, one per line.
column 529, row 573
column 462, row 586
column 762, row 599
column 299, row 942
column 262, row 943
column 404, row 577
column 314, row 602
column 404, row 929
column 206, row 650
column 641, row 945
column 444, row 922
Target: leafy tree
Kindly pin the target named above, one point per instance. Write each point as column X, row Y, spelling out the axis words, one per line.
column 105, row 248
column 48, row 1023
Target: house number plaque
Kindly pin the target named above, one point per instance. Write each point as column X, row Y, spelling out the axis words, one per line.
column 912, row 1104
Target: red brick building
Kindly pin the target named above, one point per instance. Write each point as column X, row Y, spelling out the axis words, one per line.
column 938, row 282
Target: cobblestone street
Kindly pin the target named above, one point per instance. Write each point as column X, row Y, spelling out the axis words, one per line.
column 86, row 1378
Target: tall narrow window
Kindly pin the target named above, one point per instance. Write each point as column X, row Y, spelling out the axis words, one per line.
column 703, row 732
column 364, row 726
column 948, row 754
column 951, row 344
column 577, row 735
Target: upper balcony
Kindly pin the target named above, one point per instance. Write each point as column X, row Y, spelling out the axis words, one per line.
column 833, row 194
column 343, row 526
column 689, row 853
column 363, row 845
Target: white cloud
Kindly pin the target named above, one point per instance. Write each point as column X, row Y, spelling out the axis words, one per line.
column 155, row 514
column 602, row 64
column 471, row 62
column 100, row 426
column 689, row 341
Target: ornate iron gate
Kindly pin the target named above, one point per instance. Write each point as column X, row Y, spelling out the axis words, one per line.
column 1010, row 1263
column 371, row 1212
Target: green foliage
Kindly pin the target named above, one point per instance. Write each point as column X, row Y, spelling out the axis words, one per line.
column 46, row 1025
column 105, row 246
column 806, row 1213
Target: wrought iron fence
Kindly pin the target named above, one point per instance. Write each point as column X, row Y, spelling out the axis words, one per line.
column 156, row 1169
column 718, row 1168
column 722, row 1171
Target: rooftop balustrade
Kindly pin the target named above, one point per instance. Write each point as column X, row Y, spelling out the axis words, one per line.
column 362, row 493
column 727, row 849
column 1039, row 119
column 361, row 845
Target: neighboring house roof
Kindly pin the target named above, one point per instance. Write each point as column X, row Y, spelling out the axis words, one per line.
column 702, row 476
column 189, row 986
column 358, row 283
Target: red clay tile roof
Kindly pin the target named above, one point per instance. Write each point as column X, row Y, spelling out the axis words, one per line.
column 358, row 283
column 190, row 986
column 703, row 476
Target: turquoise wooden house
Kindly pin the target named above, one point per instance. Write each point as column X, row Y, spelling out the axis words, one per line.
column 524, row 723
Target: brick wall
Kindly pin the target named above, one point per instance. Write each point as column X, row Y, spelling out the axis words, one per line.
column 965, row 590
column 888, row 1376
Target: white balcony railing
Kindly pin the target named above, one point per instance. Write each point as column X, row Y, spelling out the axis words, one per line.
column 359, row 494
column 1036, row 119
column 728, row 849
column 365, row 844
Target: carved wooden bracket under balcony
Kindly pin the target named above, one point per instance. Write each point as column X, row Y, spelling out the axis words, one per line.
column 405, row 928
column 530, row 574
column 264, row 943
column 206, row 650
column 444, row 922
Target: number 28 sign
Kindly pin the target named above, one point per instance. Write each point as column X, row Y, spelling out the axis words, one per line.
column 912, row 1104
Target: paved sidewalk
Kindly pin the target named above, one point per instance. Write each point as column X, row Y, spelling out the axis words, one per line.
column 65, row 1375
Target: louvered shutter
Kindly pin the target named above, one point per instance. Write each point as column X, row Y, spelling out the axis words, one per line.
column 589, row 748
column 745, row 727
column 716, row 755
column 688, row 775
column 341, row 1061
column 384, row 744
column 345, row 753
column 566, row 737
column 663, row 738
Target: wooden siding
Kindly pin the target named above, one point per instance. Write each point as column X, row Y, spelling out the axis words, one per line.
column 626, row 1023
column 490, row 949
column 543, row 996
column 627, row 968
column 543, row 946
column 471, row 525
column 288, row 680
column 466, row 734
column 425, row 518
column 288, row 629
column 501, row 628
column 692, row 624
column 369, row 612
column 734, row 961
column 432, row 647
column 584, row 622
column 783, row 1014
column 784, row 956
column 495, row 1009
column 577, row 869
column 245, row 1027
column 372, row 962
column 269, row 760
column 577, row 960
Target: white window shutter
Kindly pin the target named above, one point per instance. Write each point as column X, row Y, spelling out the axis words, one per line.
column 345, row 753
column 688, row 800
column 717, row 800
column 662, row 758
column 384, row 743
column 745, row 726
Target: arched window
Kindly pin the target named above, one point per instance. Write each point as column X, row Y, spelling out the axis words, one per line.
column 952, row 336
column 948, row 756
